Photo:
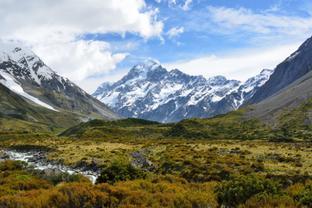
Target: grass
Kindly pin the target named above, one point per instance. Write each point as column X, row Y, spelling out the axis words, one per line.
column 193, row 163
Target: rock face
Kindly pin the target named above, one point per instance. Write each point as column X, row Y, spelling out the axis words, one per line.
column 25, row 74
column 151, row 92
column 289, row 87
column 294, row 67
column 292, row 96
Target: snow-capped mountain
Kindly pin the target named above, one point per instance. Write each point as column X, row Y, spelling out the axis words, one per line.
column 25, row 74
column 151, row 92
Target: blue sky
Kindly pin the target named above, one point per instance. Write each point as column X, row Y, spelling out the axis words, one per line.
column 101, row 40
column 201, row 33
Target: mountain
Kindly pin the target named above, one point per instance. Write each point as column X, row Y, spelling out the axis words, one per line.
column 151, row 92
column 288, row 90
column 30, row 79
column 294, row 67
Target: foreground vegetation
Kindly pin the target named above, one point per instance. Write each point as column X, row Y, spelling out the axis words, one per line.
column 24, row 187
column 228, row 161
column 174, row 173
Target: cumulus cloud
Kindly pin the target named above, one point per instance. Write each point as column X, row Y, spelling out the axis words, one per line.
column 72, row 17
column 81, row 59
column 54, row 30
column 239, row 65
column 175, row 31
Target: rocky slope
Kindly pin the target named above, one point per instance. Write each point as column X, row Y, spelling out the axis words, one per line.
column 288, row 90
column 151, row 92
column 294, row 67
column 26, row 76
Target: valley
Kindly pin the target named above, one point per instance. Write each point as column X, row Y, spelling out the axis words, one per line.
column 154, row 137
column 144, row 162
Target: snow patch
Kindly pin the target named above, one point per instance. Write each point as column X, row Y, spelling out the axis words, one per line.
column 10, row 83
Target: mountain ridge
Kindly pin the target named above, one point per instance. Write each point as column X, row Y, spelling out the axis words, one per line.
column 291, row 69
column 149, row 91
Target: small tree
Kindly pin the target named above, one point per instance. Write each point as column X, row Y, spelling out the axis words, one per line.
column 118, row 171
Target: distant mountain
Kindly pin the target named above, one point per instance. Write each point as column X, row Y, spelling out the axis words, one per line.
column 151, row 92
column 26, row 76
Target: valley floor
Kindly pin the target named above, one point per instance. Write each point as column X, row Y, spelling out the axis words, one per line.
column 160, row 173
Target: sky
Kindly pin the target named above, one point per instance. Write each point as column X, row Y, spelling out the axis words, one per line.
column 92, row 41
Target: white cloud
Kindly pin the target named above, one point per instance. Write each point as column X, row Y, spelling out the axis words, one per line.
column 181, row 4
column 186, row 5
column 80, row 59
column 240, row 65
column 53, row 28
column 175, row 31
column 92, row 83
column 172, row 2
column 242, row 19
column 22, row 19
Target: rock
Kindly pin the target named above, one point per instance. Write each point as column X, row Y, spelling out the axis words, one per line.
column 4, row 155
column 140, row 161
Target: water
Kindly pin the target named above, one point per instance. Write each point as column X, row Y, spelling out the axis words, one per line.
column 36, row 159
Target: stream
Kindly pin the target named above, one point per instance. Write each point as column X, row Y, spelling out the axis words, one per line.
column 38, row 161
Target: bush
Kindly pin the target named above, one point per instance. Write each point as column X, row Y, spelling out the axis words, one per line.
column 10, row 165
column 305, row 196
column 264, row 200
column 239, row 189
column 60, row 177
column 118, row 171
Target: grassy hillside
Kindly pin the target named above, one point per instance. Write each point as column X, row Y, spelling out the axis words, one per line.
column 293, row 124
column 14, row 108
column 125, row 129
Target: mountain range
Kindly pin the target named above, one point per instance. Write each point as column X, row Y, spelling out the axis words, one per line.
column 32, row 91
column 151, row 92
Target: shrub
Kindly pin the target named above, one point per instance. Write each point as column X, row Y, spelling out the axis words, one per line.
column 59, row 177
column 305, row 196
column 118, row 171
column 267, row 201
column 239, row 189
column 9, row 165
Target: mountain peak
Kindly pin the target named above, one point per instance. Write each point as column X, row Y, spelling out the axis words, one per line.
column 219, row 80
column 150, row 92
column 147, row 65
column 176, row 72
column 26, row 75
column 30, row 65
column 266, row 71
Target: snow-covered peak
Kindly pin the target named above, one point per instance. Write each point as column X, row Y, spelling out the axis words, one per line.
column 149, row 91
column 259, row 79
column 105, row 85
column 220, row 80
column 146, row 66
column 32, row 66
column 266, row 72
column 249, row 88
